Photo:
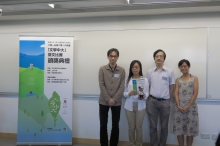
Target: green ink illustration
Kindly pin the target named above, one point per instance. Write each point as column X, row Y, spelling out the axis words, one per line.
column 54, row 106
column 42, row 113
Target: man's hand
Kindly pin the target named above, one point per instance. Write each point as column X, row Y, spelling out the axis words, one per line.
column 111, row 102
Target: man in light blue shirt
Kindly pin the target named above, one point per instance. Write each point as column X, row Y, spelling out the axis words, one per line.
column 161, row 80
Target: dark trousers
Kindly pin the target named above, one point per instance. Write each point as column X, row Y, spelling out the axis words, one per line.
column 217, row 143
column 103, row 116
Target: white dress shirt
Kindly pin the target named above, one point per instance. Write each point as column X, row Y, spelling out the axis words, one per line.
column 134, row 98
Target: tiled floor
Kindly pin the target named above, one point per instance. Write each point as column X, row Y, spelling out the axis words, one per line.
column 12, row 142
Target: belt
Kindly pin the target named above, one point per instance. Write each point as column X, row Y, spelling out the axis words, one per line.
column 157, row 98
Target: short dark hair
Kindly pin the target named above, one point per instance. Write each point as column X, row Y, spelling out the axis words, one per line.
column 182, row 61
column 159, row 50
column 113, row 50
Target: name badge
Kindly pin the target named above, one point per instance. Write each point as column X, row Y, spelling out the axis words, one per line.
column 116, row 75
column 164, row 78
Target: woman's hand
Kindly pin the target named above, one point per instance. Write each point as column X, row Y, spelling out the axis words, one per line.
column 181, row 109
column 185, row 108
column 132, row 93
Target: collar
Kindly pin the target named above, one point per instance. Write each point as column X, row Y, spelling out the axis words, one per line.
column 138, row 78
column 164, row 68
column 108, row 67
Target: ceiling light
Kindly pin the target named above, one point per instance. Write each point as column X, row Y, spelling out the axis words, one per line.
column 128, row 1
column 51, row 5
column 142, row 2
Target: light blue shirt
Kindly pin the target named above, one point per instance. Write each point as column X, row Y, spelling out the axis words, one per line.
column 160, row 82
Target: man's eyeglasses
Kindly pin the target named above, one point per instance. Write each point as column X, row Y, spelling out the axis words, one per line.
column 112, row 56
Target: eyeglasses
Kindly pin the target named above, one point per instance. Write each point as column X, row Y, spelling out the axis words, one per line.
column 183, row 66
column 112, row 56
column 135, row 67
column 159, row 56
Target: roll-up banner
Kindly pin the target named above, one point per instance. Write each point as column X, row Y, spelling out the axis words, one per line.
column 45, row 90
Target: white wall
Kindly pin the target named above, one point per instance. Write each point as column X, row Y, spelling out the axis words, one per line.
column 85, row 110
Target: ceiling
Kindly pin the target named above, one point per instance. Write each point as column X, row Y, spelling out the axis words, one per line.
column 39, row 9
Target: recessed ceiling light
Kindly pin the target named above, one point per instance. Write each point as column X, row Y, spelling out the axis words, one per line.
column 164, row 1
column 51, row 5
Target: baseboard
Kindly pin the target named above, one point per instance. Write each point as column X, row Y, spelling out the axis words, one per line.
column 8, row 135
column 79, row 140
column 85, row 141
column 96, row 142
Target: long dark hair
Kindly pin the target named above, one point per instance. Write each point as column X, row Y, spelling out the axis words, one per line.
column 130, row 70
